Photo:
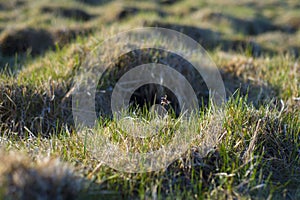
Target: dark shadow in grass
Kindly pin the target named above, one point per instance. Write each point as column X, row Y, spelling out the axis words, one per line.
column 168, row 2
column 72, row 13
column 36, row 41
column 252, row 26
column 129, row 11
column 19, row 45
column 94, row 2
column 126, row 12
column 206, row 37
column 150, row 94
column 210, row 39
column 19, row 41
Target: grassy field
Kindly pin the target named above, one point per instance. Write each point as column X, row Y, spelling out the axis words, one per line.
column 254, row 150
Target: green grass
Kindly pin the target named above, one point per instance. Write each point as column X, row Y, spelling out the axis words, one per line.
column 257, row 155
column 251, row 152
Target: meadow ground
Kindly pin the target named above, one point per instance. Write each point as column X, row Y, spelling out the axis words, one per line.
column 255, row 150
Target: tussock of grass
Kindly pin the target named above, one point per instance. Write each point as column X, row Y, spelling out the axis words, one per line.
column 21, row 178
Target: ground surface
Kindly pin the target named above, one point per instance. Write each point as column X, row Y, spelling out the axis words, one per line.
column 256, row 46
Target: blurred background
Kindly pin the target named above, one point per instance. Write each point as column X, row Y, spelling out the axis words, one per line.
column 32, row 27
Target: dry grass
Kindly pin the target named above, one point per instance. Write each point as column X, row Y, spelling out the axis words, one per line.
column 23, row 178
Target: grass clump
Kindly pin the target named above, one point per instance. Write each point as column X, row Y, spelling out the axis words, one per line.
column 21, row 178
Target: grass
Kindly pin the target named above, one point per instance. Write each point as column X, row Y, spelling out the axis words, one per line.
column 257, row 155
column 251, row 152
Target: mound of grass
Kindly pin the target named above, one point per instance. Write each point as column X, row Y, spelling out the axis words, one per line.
column 74, row 13
column 21, row 178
